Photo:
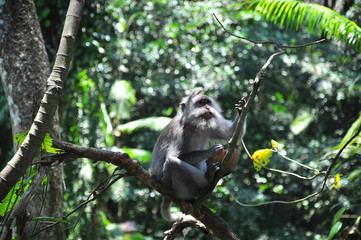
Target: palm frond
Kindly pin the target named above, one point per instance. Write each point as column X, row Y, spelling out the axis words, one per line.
column 295, row 13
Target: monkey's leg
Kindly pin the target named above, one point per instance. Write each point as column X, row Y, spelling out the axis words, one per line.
column 184, row 179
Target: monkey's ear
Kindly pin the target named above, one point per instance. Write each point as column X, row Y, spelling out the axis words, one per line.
column 182, row 104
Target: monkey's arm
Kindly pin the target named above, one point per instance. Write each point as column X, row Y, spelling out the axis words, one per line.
column 239, row 106
column 199, row 156
column 226, row 127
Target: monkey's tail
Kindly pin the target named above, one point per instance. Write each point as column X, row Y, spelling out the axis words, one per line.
column 166, row 214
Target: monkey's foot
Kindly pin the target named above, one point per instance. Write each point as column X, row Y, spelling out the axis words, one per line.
column 212, row 169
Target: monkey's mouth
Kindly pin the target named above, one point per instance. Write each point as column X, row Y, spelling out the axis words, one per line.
column 207, row 115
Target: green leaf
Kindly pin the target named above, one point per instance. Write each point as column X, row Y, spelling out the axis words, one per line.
column 271, row 10
column 8, row 203
column 105, row 122
column 154, row 123
column 335, row 228
column 48, row 143
column 45, row 180
column 354, row 174
column 52, row 219
column 279, row 96
column 13, row 197
column 338, row 216
column 19, row 138
column 351, row 131
column 105, row 220
column 301, row 122
column 123, row 94
column 141, row 155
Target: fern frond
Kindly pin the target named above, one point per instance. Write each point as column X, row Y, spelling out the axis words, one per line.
column 296, row 13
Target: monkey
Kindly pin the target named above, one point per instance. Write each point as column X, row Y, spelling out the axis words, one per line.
column 179, row 155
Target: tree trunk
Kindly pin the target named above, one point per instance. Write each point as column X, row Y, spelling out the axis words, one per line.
column 24, row 69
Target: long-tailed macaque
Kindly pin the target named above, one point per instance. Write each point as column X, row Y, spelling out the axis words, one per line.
column 180, row 154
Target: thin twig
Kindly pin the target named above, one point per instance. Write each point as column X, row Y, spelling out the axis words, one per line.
column 23, row 202
column 327, row 172
column 298, row 163
column 334, row 160
column 276, row 202
column 95, row 195
column 281, row 171
column 243, row 38
column 279, row 46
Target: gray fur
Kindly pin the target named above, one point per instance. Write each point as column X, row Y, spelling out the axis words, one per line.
column 179, row 156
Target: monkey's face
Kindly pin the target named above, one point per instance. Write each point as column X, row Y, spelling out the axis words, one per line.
column 202, row 112
column 205, row 107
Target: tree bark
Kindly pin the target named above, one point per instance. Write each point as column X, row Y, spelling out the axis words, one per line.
column 24, row 69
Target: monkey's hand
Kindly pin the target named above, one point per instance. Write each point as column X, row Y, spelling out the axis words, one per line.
column 215, row 149
column 240, row 105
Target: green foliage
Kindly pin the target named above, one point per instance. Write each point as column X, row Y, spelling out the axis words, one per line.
column 355, row 144
column 338, row 216
column 154, row 123
column 294, row 13
column 52, row 219
column 47, row 144
column 124, row 99
column 141, row 155
column 164, row 49
column 13, row 197
column 335, row 228
column 301, row 122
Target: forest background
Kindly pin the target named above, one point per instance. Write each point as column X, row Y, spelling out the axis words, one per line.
column 136, row 59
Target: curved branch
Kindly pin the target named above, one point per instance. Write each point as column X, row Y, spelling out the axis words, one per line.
column 213, row 222
column 259, row 77
column 279, row 46
column 178, row 227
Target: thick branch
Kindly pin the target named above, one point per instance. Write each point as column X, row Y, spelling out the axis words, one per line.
column 22, row 159
column 213, row 222
column 122, row 160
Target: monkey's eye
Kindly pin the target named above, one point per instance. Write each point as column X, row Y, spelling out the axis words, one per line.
column 203, row 102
